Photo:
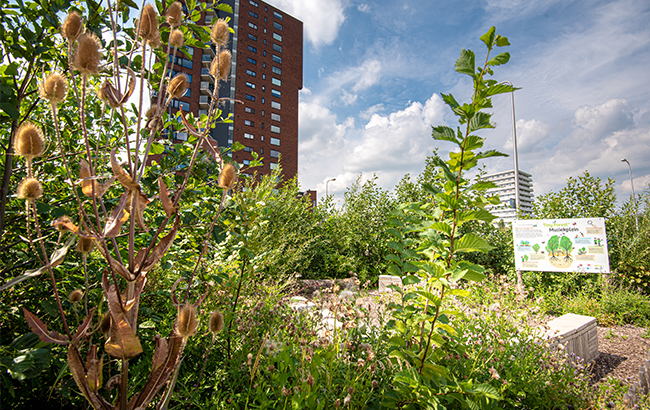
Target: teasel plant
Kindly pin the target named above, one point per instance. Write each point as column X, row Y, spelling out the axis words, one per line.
column 129, row 248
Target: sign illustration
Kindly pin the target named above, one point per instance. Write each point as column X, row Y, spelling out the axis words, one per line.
column 561, row 245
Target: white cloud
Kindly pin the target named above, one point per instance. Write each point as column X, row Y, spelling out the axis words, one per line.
column 321, row 19
column 530, row 136
column 389, row 146
column 364, row 8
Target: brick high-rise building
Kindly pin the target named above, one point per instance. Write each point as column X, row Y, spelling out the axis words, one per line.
column 265, row 78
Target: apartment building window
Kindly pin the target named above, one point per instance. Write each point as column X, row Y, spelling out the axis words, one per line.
column 250, row 13
column 274, row 154
column 275, row 141
column 276, row 70
column 277, row 37
column 277, row 25
column 276, row 93
column 251, row 48
column 181, row 61
column 247, row 162
column 277, row 15
column 277, row 47
column 275, row 129
column 276, row 81
column 251, row 73
column 174, row 103
column 248, row 149
column 251, row 25
column 273, row 165
column 250, row 85
column 253, row 3
column 263, row 65
column 277, row 59
column 249, row 123
column 252, row 37
column 249, row 110
column 276, row 105
column 251, row 60
column 250, row 97
column 249, row 136
column 275, row 117
column 208, row 18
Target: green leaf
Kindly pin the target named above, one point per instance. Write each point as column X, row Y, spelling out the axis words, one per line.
column 410, row 280
column 450, row 100
column 430, row 189
column 499, row 89
column 480, row 120
column 129, row 3
column 435, row 300
column 224, row 7
column 157, row 148
column 409, row 267
column 502, row 41
column 445, row 168
column 489, row 154
column 465, row 63
column 443, row 133
column 443, row 227
column 460, row 292
column 502, row 58
column 393, row 258
column 394, row 232
column 395, row 245
column 488, row 390
column 410, row 296
column 471, row 243
column 394, row 270
column 488, row 38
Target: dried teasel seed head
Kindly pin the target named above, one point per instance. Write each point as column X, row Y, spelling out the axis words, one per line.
column 73, row 26
column 30, row 188
column 60, row 224
column 84, row 245
column 54, row 88
column 220, row 33
column 148, row 23
column 228, row 177
column 87, row 55
column 225, row 59
column 153, row 110
column 105, row 325
column 177, row 86
column 216, row 322
column 187, row 322
column 174, row 14
column 75, row 296
column 154, row 41
column 176, row 38
column 29, row 140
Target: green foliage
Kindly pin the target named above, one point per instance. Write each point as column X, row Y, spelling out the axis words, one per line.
column 584, row 197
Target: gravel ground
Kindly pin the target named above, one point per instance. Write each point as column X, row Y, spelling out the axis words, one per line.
column 623, row 350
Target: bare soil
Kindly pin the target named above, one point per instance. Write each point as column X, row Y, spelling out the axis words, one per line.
column 623, row 350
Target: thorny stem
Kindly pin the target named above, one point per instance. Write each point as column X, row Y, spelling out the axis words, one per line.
column 139, row 123
column 49, row 269
column 205, row 361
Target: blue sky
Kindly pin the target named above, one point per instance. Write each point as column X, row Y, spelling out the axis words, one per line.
column 374, row 70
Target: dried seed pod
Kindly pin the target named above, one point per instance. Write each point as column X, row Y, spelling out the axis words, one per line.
column 149, row 23
column 220, row 33
column 109, row 94
column 225, row 59
column 187, row 322
column 153, row 110
column 87, row 55
column 177, row 86
column 72, row 26
column 30, row 188
column 216, row 322
column 75, row 296
column 63, row 224
column 84, row 245
column 174, row 14
column 105, row 325
column 54, row 88
column 228, row 177
column 29, row 140
column 154, row 41
column 176, row 38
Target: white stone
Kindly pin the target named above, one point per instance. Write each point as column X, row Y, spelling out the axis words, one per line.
column 387, row 280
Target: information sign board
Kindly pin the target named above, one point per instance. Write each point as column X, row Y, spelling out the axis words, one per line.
column 561, row 245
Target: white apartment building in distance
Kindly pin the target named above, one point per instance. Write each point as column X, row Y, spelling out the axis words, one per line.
column 505, row 189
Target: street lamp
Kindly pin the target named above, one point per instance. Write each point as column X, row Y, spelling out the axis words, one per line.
column 514, row 142
column 636, row 218
column 326, row 191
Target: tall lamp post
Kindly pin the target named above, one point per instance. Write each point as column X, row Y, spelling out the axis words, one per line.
column 326, row 190
column 514, row 143
column 636, row 218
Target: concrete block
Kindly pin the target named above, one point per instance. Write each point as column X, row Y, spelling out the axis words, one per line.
column 578, row 334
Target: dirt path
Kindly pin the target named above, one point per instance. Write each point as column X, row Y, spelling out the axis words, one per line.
column 623, row 350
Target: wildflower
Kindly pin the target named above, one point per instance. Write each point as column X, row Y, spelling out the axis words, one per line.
column 72, row 26
column 347, row 400
column 494, row 374
column 271, row 346
column 220, row 33
column 176, row 38
column 29, row 140
column 310, row 380
column 174, row 15
column 87, row 56
column 374, row 383
column 177, row 86
column 30, row 188
column 216, row 322
column 187, row 322
column 149, row 23
column 54, row 88
column 228, row 177
column 75, row 296
column 346, row 294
